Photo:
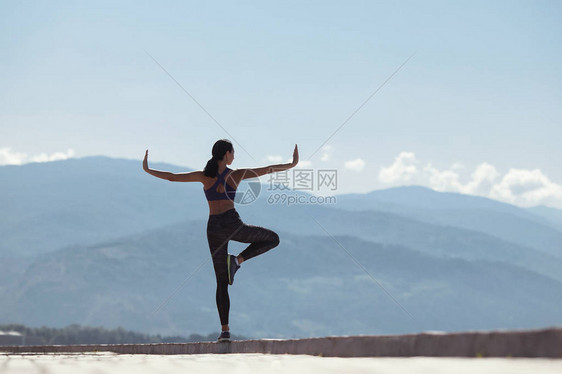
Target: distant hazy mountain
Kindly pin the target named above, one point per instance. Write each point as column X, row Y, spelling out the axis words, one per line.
column 425, row 198
column 162, row 281
column 98, row 241
column 50, row 205
column 527, row 227
column 552, row 215
column 84, row 201
column 389, row 228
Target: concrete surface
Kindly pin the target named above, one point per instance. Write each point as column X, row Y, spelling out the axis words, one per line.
column 99, row 363
column 530, row 343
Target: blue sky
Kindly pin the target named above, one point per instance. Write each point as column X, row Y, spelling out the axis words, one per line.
column 476, row 109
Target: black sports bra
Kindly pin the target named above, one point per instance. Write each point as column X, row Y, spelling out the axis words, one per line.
column 212, row 194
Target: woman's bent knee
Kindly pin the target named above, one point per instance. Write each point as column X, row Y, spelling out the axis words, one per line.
column 275, row 239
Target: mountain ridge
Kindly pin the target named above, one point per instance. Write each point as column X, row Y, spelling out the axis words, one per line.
column 83, row 237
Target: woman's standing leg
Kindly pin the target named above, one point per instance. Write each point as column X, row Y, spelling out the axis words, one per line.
column 218, row 245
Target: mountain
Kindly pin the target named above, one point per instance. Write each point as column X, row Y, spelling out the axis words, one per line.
column 162, row 282
column 513, row 224
column 47, row 206
column 552, row 215
column 98, row 241
column 420, row 197
column 85, row 201
column 388, row 228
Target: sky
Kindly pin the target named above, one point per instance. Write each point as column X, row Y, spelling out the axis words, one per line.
column 456, row 96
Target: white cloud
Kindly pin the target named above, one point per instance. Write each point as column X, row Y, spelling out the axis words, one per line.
column 527, row 188
column 457, row 166
column 518, row 186
column 274, row 158
column 302, row 164
column 355, row 165
column 326, row 153
column 402, row 170
column 8, row 157
column 446, row 180
column 57, row 156
column 482, row 180
column 279, row 159
column 449, row 180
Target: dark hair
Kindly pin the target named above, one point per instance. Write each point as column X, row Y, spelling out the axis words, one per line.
column 219, row 149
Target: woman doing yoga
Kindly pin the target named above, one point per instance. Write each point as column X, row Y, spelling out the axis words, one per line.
column 224, row 224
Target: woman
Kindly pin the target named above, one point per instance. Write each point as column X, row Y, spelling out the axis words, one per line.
column 224, row 224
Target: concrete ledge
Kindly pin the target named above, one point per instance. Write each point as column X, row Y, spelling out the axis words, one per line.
column 527, row 343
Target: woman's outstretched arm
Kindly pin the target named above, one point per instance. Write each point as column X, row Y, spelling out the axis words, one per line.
column 273, row 168
column 194, row 176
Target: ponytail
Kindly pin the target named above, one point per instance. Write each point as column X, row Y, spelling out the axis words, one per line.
column 212, row 168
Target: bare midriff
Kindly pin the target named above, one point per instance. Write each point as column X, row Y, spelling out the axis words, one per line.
column 220, row 206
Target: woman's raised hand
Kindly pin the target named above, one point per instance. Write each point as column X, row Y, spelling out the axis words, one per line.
column 145, row 161
column 295, row 156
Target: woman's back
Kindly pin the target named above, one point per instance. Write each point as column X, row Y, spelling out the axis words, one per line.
column 219, row 198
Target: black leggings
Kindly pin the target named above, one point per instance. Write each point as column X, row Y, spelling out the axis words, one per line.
column 228, row 226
